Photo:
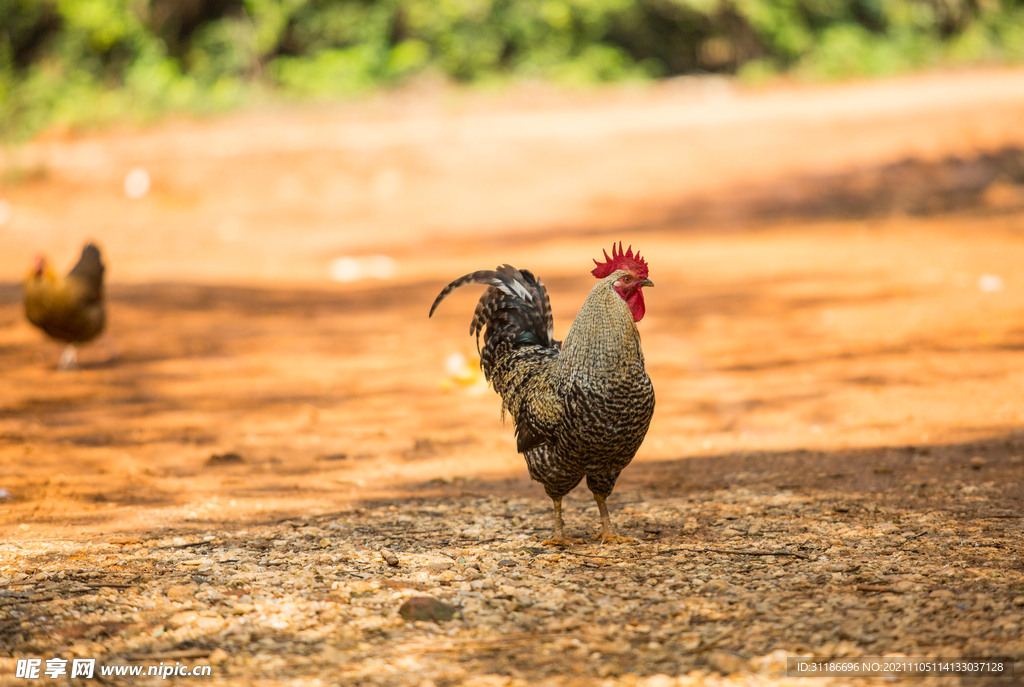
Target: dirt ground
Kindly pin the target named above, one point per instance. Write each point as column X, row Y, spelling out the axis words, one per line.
column 835, row 467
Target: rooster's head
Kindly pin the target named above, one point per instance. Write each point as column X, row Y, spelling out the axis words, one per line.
column 631, row 271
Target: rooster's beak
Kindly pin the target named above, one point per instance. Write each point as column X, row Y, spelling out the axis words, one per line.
column 647, row 282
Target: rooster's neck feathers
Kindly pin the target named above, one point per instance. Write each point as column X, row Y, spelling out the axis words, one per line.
column 603, row 339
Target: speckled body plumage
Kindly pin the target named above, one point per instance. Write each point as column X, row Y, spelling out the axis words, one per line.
column 582, row 407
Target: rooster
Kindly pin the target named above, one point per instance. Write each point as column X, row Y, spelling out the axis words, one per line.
column 69, row 308
column 581, row 407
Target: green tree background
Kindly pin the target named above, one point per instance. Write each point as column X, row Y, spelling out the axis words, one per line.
column 76, row 62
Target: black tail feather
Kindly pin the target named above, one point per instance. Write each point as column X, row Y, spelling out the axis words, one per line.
column 90, row 270
column 514, row 311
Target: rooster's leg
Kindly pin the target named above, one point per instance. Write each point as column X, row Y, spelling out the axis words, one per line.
column 607, row 534
column 559, row 538
column 68, row 358
column 601, row 485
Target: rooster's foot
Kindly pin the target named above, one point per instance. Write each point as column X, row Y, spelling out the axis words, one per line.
column 609, row 538
column 561, row 541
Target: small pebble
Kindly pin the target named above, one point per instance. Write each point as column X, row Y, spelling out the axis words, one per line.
column 181, row 592
column 390, row 558
column 689, row 641
column 726, row 663
column 717, row 586
column 426, row 608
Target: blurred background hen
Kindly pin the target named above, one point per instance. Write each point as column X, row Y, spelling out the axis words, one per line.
column 68, row 308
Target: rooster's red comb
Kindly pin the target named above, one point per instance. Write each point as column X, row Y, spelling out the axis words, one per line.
column 621, row 261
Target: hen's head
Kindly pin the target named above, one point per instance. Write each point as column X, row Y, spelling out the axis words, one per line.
column 40, row 266
column 631, row 277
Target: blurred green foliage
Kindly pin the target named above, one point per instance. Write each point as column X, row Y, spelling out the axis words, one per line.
column 73, row 62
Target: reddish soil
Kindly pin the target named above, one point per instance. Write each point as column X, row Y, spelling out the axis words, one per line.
column 820, row 258
column 776, row 323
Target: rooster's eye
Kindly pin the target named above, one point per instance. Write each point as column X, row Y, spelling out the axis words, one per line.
column 627, row 279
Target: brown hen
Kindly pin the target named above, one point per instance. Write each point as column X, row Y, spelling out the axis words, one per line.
column 69, row 308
